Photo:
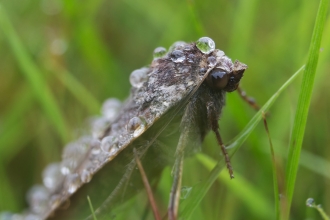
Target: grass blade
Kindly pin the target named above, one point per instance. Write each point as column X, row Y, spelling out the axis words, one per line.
column 303, row 104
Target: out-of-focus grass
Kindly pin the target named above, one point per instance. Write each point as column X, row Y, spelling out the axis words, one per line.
column 304, row 100
column 98, row 43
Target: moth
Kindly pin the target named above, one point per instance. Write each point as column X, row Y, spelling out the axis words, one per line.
column 173, row 104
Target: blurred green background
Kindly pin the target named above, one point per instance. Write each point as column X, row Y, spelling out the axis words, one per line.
column 75, row 54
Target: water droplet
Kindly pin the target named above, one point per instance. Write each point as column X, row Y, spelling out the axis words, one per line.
column 188, row 47
column 177, row 56
column 110, row 108
column 310, row 202
column 37, row 198
column 205, row 44
column 219, row 53
column 54, row 201
column 177, row 45
column 109, row 144
column 52, row 176
column 185, row 192
column 72, row 182
column 73, row 154
column 159, row 52
column 212, row 61
column 76, row 149
column 86, row 176
column 191, row 58
column 99, row 126
column 138, row 77
column 95, row 147
column 136, row 125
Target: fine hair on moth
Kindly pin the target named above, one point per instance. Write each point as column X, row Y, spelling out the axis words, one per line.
column 173, row 104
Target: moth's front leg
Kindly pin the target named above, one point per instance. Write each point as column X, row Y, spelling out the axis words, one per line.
column 213, row 119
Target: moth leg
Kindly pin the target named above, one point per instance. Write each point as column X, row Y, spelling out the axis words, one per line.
column 251, row 101
column 147, row 186
column 211, row 113
column 176, row 188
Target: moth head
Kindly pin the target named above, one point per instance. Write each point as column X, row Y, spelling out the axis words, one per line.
column 223, row 78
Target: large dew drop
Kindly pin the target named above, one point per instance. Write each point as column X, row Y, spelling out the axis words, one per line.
column 38, row 197
column 310, row 202
column 110, row 108
column 73, row 154
column 159, row 52
column 177, row 56
column 52, row 176
column 109, row 145
column 137, row 125
column 205, row 44
column 138, row 77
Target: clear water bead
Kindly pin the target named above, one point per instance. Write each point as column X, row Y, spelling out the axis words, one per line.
column 205, row 44
column 212, row 61
column 219, row 53
column 110, row 108
column 86, row 176
column 177, row 45
column 37, row 198
column 95, row 147
column 52, row 176
column 136, row 125
column 109, row 144
column 99, row 126
column 72, row 182
column 159, row 52
column 177, row 56
column 310, row 202
column 73, row 154
column 138, row 77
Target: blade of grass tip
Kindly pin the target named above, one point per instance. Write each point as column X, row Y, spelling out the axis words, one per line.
column 303, row 104
column 234, row 145
column 91, row 207
column 34, row 77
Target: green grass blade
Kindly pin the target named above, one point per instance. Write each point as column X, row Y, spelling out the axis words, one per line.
column 303, row 104
column 34, row 77
column 234, row 145
column 91, row 207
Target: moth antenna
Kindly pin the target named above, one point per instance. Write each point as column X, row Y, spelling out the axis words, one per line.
column 215, row 128
column 147, row 186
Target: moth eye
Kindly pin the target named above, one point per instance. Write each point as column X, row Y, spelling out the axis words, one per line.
column 217, row 79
